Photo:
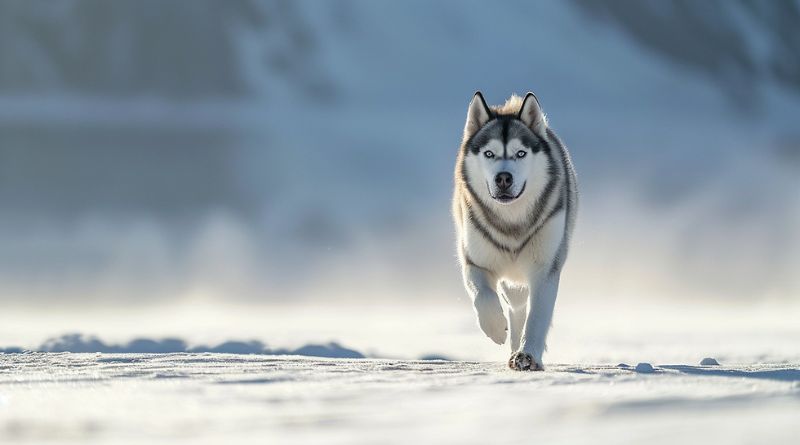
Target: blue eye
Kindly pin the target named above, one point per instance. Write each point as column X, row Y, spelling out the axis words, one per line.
column 521, row 154
column 488, row 154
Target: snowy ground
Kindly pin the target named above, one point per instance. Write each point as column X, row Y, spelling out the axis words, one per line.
column 584, row 396
column 221, row 398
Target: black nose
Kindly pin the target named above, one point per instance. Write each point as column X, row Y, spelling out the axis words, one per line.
column 503, row 180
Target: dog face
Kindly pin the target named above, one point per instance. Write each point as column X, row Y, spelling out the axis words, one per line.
column 504, row 156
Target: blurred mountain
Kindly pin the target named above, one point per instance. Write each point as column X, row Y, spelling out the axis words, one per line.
column 152, row 149
column 739, row 44
column 179, row 50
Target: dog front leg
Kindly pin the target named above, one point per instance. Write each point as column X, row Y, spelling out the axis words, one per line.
column 541, row 303
column 480, row 284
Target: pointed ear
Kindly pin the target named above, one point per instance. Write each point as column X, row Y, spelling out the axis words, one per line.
column 477, row 115
column 531, row 114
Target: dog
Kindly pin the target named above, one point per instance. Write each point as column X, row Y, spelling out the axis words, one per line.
column 514, row 208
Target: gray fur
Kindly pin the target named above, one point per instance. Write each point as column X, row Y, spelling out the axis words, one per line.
column 513, row 244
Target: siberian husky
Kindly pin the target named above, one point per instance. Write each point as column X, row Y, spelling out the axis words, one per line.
column 514, row 209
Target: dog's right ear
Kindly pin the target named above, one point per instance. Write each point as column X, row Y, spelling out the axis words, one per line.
column 477, row 115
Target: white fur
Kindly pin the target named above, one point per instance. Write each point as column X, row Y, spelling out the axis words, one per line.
column 528, row 280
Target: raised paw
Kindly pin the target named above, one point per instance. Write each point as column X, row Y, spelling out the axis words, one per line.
column 522, row 361
column 492, row 321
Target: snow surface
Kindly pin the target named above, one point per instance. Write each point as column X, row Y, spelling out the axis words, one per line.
column 228, row 398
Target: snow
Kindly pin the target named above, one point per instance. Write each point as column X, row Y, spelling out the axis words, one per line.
column 592, row 390
column 216, row 398
column 595, row 387
column 397, row 89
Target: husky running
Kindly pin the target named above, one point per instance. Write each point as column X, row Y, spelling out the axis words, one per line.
column 514, row 209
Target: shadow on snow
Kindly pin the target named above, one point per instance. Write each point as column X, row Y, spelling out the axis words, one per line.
column 786, row 375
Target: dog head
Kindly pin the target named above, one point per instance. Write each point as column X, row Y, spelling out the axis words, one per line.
column 503, row 148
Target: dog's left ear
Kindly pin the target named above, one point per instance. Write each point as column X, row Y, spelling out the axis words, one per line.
column 531, row 114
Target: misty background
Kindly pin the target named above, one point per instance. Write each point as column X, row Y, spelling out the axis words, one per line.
column 270, row 153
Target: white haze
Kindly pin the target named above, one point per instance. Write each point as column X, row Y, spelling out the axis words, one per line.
column 684, row 196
